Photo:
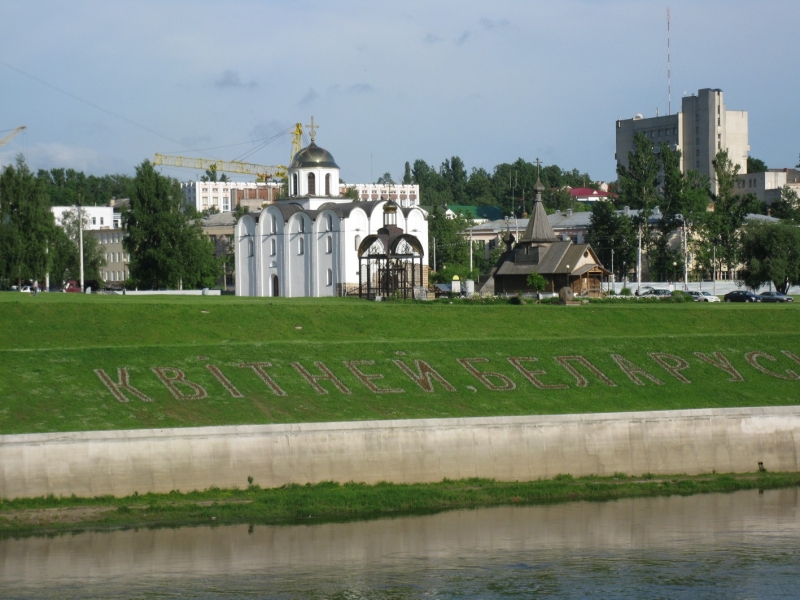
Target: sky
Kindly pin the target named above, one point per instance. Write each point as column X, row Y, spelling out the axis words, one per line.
column 103, row 85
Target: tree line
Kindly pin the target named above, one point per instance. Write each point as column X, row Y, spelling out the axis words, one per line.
column 166, row 245
column 509, row 186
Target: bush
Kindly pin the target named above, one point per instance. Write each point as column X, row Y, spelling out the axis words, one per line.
column 679, row 297
column 626, row 291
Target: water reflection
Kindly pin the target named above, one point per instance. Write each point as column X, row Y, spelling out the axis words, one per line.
column 743, row 543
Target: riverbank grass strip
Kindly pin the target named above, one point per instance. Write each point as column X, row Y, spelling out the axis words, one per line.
column 331, row 502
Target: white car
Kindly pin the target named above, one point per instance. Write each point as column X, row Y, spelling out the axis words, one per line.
column 704, row 296
column 25, row 288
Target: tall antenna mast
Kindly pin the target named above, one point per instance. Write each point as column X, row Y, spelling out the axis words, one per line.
column 669, row 72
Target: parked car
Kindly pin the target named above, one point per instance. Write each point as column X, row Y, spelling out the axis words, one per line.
column 72, row 286
column 741, row 296
column 775, row 297
column 658, row 293
column 25, row 288
column 704, row 296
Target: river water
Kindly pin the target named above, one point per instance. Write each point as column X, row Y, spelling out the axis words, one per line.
column 739, row 545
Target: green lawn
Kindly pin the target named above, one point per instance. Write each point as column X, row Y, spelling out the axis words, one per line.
column 51, row 346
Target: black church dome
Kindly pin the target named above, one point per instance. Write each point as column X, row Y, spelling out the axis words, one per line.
column 312, row 156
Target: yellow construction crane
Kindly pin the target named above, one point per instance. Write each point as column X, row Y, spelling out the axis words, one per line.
column 262, row 172
column 11, row 135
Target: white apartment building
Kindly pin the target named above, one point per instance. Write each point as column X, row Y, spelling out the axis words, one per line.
column 702, row 128
column 221, row 195
column 105, row 224
column 405, row 196
column 94, row 217
column 767, row 186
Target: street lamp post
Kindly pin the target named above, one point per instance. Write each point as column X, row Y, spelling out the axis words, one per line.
column 685, row 255
column 714, row 266
column 80, row 240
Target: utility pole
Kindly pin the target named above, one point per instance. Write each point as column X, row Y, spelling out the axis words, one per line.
column 613, row 279
column 714, row 264
column 80, row 237
column 685, row 261
column 434, row 254
column 470, row 251
column 639, row 263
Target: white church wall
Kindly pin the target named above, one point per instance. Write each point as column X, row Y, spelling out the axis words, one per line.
column 298, row 255
column 357, row 227
column 326, row 233
column 270, row 233
column 246, row 256
column 417, row 226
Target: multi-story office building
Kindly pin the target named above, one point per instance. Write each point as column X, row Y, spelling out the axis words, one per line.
column 702, row 128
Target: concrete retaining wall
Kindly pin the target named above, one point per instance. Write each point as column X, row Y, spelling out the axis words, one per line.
column 504, row 448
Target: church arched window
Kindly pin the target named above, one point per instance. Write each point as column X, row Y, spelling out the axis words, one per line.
column 358, row 242
column 301, row 248
column 302, row 225
column 312, row 184
column 294, row 184
column 329, row 244
column 329, row 222
column 273, row 247
column 330, row 277
column 328, row 184
column 273, row 226
column 250, row 247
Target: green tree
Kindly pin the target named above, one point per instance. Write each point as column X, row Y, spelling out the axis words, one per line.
column 788, row 207
column 27, row 226
column 479, row 189
column 536, row 281
column 352, row 193
column 682, row 202
column 771, row 253
column 211, row 175
column 433, row 188
column 756, row 165
column 637, row 183
column 722, row 225
column 65, row 253
column 386, row 179
column 455, row 177
column 407, row 178
column 166, row 248
column 240, row 212
column 610, row 231
column 67, row 187
column 452, row 249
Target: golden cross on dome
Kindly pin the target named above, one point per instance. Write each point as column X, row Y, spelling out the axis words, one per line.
column 538, row 165
column 311, row 129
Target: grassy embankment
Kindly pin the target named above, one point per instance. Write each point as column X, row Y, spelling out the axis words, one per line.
column 296, row 504
column 51, row 345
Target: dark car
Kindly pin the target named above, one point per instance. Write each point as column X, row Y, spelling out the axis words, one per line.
column 775, row 297
column 741, row 296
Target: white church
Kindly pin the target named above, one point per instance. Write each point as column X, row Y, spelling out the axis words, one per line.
column 318, row 243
